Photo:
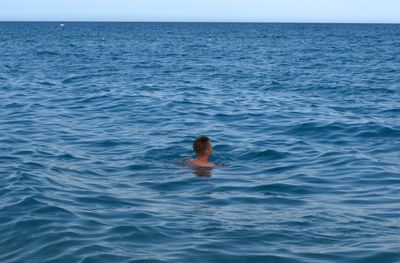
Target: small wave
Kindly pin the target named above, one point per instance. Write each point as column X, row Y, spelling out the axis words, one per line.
column 317, row 129
column 108, row 143
column 284, row 189
column 137, row 167
column 391, row 111
column 379, row 132
column 47, row 53
column 80, row 78
column 103, row 200
column 265, row 155
column 170, row 186
column 110, row 257
column 167, row 154
column 24, row 204
column 46, row 83
column 13, row 105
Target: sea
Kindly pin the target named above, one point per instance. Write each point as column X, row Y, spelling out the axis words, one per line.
column 97, row 119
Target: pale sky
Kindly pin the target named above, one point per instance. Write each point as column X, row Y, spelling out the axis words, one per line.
column 353, row 11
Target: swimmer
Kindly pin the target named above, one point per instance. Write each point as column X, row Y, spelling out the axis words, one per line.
column 203, row 149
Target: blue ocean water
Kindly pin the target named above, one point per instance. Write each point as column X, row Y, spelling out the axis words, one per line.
column 95, row 119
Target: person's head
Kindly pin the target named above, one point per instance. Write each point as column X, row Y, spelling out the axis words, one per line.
column 202, row 146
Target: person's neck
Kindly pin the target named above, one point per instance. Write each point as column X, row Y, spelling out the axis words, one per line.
column 203, row 158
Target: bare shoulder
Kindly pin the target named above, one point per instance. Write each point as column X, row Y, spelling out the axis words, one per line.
column 198, row 163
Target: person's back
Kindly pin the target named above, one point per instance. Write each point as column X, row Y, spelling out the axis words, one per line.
column 203, row 149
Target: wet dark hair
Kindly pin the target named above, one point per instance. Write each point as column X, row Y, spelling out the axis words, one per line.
column 201, row 144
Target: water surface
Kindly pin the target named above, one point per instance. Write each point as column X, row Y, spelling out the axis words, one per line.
column 303, row 117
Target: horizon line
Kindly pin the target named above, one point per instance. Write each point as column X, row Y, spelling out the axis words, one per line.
column 216, row 22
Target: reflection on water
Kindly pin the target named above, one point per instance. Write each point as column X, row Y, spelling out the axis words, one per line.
column 202, row 171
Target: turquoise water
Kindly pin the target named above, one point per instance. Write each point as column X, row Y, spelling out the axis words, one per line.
column 96, row 118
